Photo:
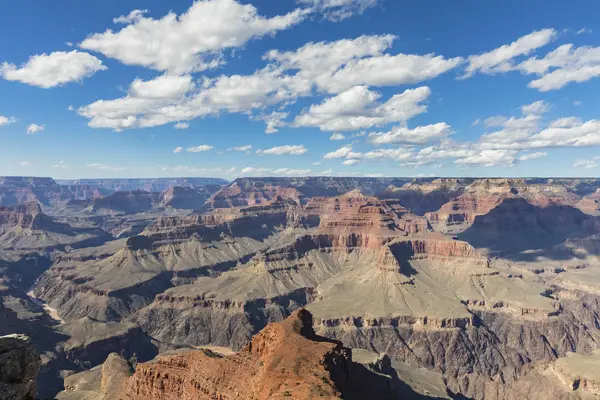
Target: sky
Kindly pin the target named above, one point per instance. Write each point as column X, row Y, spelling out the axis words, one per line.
column 231, row 88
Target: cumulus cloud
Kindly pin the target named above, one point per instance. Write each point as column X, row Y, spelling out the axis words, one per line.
column 54, row 69
column 35, row 128
column 315, row 68
column 489, row 158
column 337, row 66
column 418, row 135
column 274, row 121
column 133, row 17
column 247, row 147
column 562, row 66
column 190, row 42
column 514, row 141
column 7, row 120
column 181, row 125
column 501, row 59
column 162, row 87
column 348, row 153
column 178, row 149
column 536, row 108
column 339, row 153
column 337, row 136
column 295, row 150
column 532, row 156
column 358, row 108
column 199, row 149
column 351, row 161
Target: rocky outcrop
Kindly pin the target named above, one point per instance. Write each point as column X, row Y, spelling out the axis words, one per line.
column 186, row 197
column 423, row 197
column 590, row 204
column 126, row 202
column 19, row 367
column 286, row 359
column 27, row 216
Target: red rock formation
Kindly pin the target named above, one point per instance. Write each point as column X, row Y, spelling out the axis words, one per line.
column 356, row 212
column 285, row 360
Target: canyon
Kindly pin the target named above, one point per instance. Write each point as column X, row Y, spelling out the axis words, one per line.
column 479, row 288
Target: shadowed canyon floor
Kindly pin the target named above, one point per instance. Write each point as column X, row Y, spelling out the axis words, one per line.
column 470, row 288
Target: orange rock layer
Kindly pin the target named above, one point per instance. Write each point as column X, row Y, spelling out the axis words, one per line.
column 286, row 360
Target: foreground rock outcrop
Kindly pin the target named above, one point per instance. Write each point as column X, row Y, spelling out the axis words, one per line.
column 19, row 368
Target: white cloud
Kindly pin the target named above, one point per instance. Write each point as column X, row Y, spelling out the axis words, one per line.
column 501, row 59
column 337, row 136
column 133, row 17
column 388, row 70
column 337, row 66
column 288, row 76
column 181, row 125
column 513, row 141
column 192, row 41
column 7, row 120
column 24, row 163
column 162, row 87
column 105, row 167
column 357, row 108
column 577, row 103
column 338, row 10
column 54, row 69
column 489, row 158
column 532, row 156
column 398, row 154
column 247, row 147
column 317, row 163
column 61, row 164
column 342, row 152
column 536, row 108
column 35, row 128
column 562, row 66
column 351, row 161
column 295, row 150
column 419, row 135
column 579, row 163
column 274, row 121
column 199, row 149
column 476, row 122
column 178, row 149
column 583, row 30
column 327, row 172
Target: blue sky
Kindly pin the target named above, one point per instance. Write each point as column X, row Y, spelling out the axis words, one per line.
column 231, row 88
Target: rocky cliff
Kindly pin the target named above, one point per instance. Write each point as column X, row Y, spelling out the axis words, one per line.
column 19, row 367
